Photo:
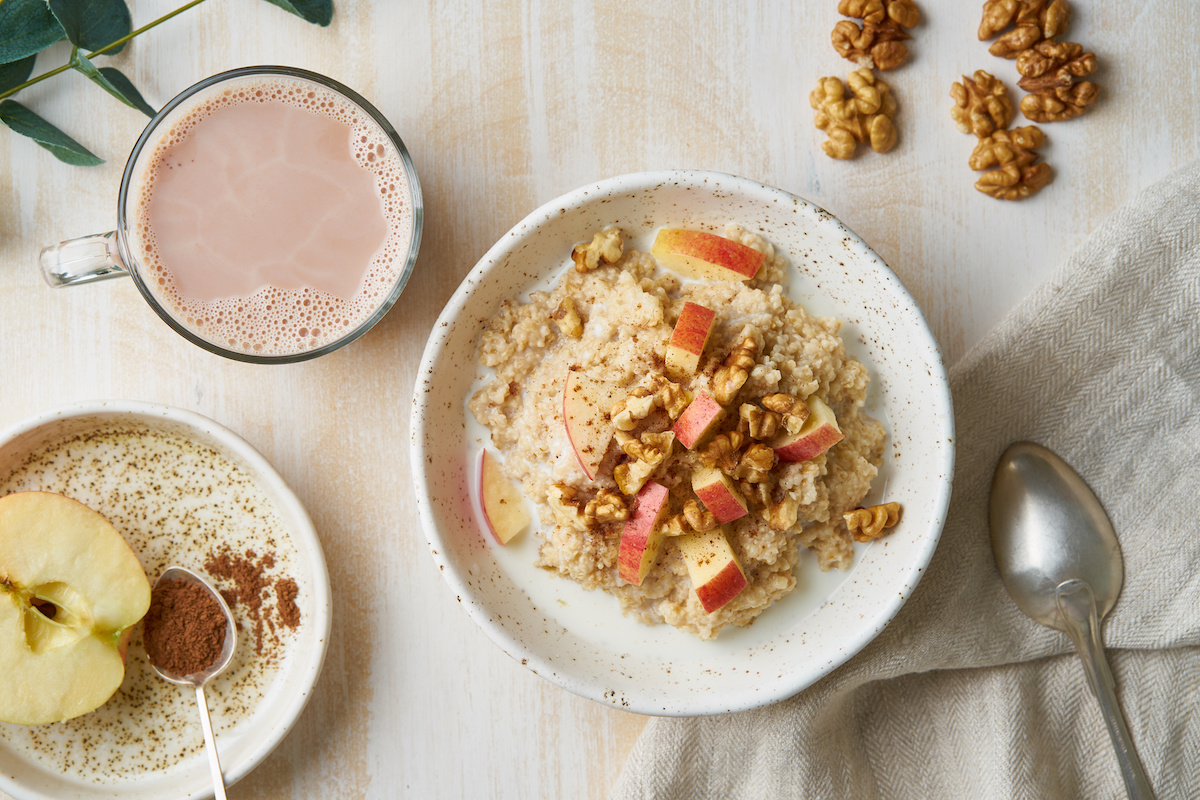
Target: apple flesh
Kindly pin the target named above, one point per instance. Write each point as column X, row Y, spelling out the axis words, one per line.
column 71, row 591
column 586, row 406
column 642, row 537
column 719, row 495
column 688, row 339
column 705, row 256
column 697, row 420
column 716, row 575
column 503, row 506
column 818, row 433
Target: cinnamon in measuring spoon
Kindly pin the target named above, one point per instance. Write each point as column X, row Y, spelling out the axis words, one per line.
column 184, row 630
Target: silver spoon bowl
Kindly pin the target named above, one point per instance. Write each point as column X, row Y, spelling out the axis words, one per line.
column 199, row 679
column 1058, row 555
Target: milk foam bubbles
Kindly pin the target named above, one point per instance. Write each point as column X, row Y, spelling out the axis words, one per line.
column 271, row 216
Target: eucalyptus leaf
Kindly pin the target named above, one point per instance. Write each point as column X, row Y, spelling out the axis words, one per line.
column 129, row 93
column 319, row 12
column 23, row 121
column 83, row 64
column 16, row 73
column 26, row 27
column 92, row 24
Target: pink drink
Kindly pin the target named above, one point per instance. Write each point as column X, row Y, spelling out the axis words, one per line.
column 271, row 216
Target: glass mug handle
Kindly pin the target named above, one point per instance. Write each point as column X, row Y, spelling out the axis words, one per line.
column 83, row 260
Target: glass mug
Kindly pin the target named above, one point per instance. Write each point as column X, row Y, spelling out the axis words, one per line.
column 249, row 228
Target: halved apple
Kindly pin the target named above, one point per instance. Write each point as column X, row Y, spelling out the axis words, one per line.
column 642, row 538
column 818, row 433
column 71, row 591
column 719, row 495
column 716, row 575
column 705, row 256
column 586, row 406
column 697, row 420
column 503, row 504
column 688, row 339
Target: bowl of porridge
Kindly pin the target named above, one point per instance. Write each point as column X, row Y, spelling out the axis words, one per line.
column 710, row 427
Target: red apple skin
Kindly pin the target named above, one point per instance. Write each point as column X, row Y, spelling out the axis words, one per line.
column 688, row 339
column 697, row 419
column 819, row 433
column 641, row 537
column 698, row 254
column 718, row 494
column 723, row 587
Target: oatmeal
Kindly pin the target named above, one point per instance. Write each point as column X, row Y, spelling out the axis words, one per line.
column 714, row 423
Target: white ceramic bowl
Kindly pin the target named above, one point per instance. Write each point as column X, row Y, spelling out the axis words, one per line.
column 579, row 640
column 246, row 740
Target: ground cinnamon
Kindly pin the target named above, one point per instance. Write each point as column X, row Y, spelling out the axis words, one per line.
column 184, row 630
column 246, row 584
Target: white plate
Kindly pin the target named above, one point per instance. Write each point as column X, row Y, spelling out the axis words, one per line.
column 123, row 457
column 578, row 639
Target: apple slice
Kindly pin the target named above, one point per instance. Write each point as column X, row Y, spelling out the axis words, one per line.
column 71, row 591
column 586, row 406
column 697, row 420
column 705, row 256
column 716, row 575
column 641, row 537
column 818, row 433
column 719, row 495
column 503, row 505
column 688, row 339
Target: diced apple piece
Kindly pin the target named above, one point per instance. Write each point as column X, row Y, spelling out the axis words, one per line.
column 819, row 433
column 705, row 256
column 716, row 575
column 71, row 591
column 503, row 505
column 586, row 405
column 688, row 339
column 642, row 538
column 719, row 495
column 697, row 420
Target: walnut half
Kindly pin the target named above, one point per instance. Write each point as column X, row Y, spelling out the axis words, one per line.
column 865, row 116
column 981, row 104
column 1016, row 172
column 606, row 247
column 869, row 523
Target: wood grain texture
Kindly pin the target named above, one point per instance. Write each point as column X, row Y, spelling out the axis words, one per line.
column 505, row 106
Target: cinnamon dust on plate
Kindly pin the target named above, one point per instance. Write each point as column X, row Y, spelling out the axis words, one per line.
column 246, row 582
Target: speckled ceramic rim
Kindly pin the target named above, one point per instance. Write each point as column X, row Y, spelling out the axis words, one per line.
column 427, row 448
column 239, row 762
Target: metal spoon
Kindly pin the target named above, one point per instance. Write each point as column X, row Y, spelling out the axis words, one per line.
column 198, row 679
column 1059, row 557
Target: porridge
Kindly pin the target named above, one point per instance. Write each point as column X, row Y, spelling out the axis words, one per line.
column 684, row 430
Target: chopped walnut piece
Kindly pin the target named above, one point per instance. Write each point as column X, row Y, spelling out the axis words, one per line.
column 634, row 406
column 731, row 376
column 869, row 523
column 692, row 519
column 1018, row 174
column 632, row 476
column 673, row 398
column 879, row 46
column 981, row 104
column 901, row 12
column 606, row 247
column 568, row 505
column 723, row 451
column 756, row 463
column 864, row 116
column 783, row 515
column 647, row 452
column 792, row 410
column 757, row 422
column 1051, row 73
column 605, row 507
column 566, row 316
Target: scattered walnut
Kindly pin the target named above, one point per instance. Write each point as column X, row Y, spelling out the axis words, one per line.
column 869, row 523
column 901, row 12
column 981, row 104
column 783, row 514
column 756, row 422
column 723, row 451
column 864, row 116
column 1033, row 23
column 568, row 506
column 792, row 410
column 879, row 46
column 731, row 376
column 691, row 520
column 756, row 463
column 566, row 316
column 673, row 398
column 605, row 507
column 606, row 246
column 1018, row 173
column 647, row 452
column 999, row 14
column 632, row 476
column 1051, row 73
column 634, row 406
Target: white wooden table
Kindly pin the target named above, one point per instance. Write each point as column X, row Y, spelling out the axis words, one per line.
column 505, row 106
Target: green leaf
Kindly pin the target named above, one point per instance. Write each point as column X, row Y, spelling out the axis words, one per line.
column 16, row 73
column 129, row 93
column 319, row 12
column 27, row 123
column 91, row 24
column 82, row 64
column 26, row 27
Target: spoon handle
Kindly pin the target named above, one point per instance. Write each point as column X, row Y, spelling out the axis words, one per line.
column 211, row 744
column 1077, row 606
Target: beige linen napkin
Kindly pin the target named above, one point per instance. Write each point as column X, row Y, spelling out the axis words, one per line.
column 962, row 696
